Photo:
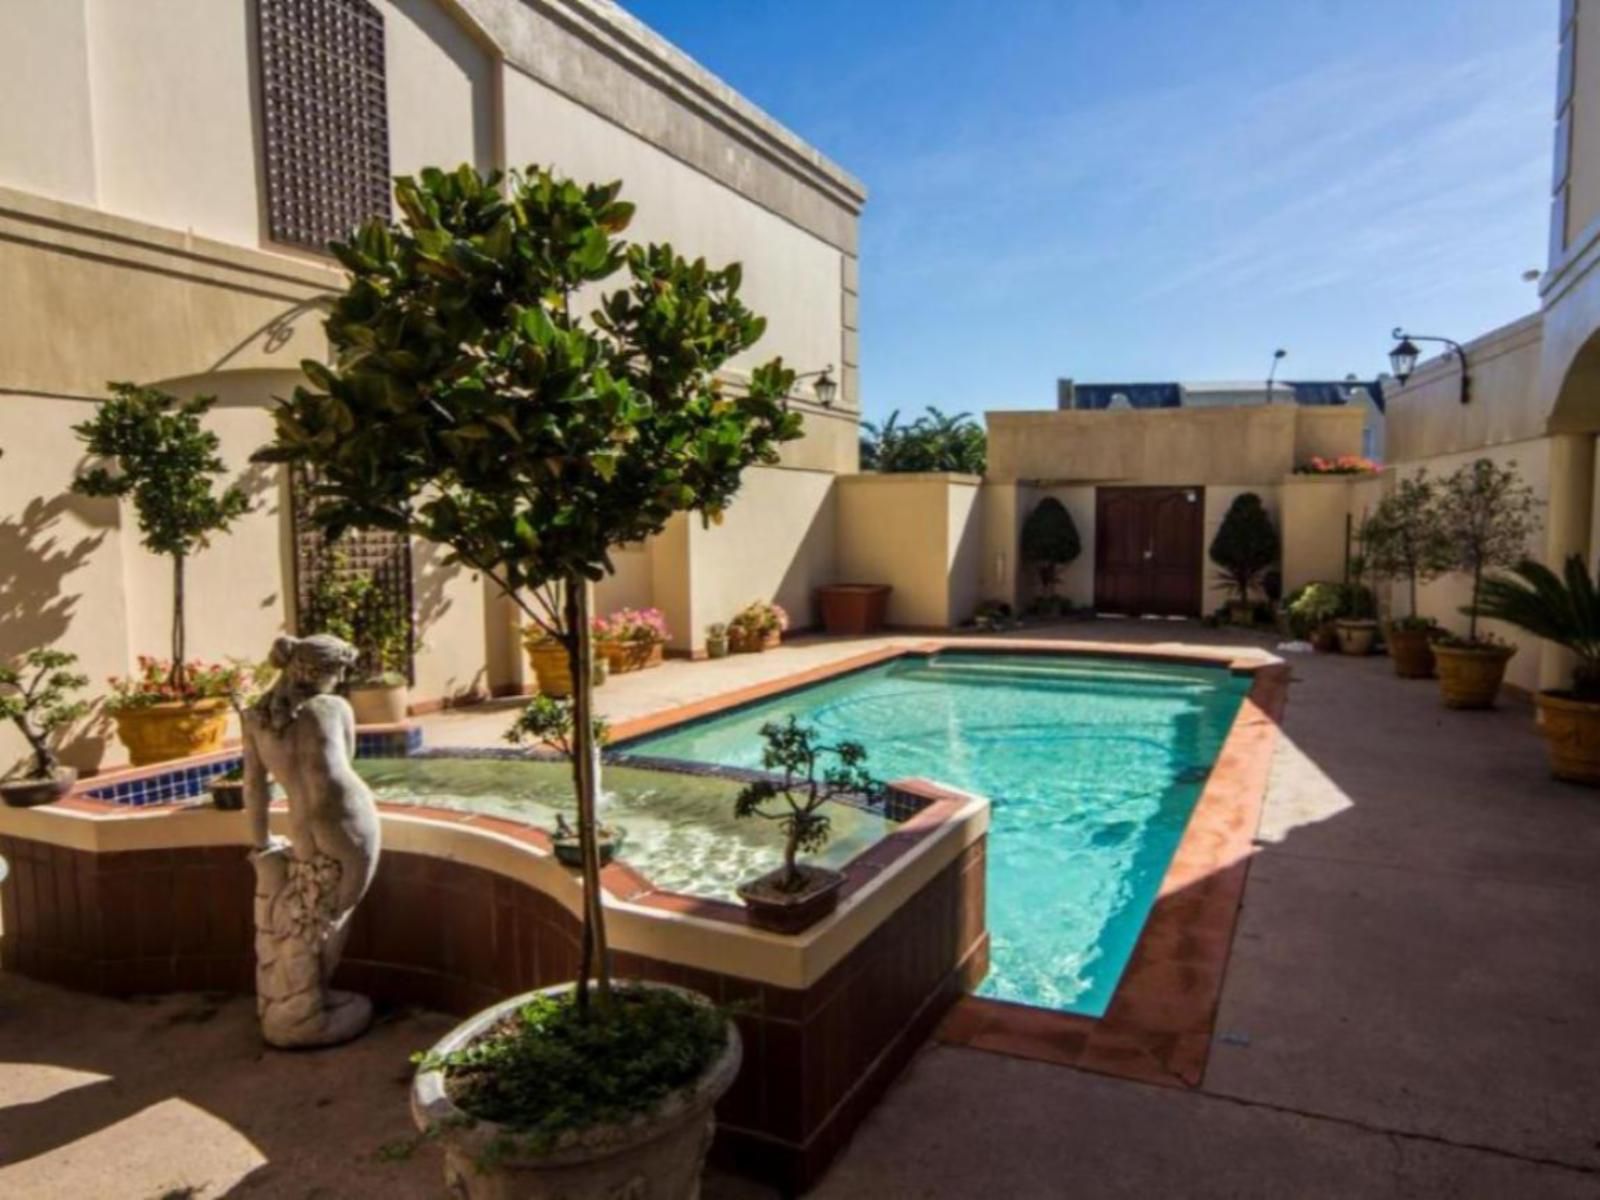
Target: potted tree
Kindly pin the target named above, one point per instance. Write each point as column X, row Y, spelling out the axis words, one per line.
column 1564, row 609
column 756, row 627
column 1356, row 626
column 1050, row 542
column 632, row 639
column 36, row 696
column 1403, row 541
column 162, row 457
column 1244, row 549
column 1486, row 516
column 472, row 401
column 717, row 640
column 357, row 609
column 796, row 896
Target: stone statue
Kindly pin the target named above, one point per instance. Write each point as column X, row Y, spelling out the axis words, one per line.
column 303, row 736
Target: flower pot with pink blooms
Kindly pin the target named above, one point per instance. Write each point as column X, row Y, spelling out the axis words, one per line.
column 757, row 627
column 632, row 639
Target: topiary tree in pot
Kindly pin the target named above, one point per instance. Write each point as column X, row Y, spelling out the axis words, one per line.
column 156, row 452
column 1564, row 609
column 1244, row 549
column 1403, row 540
column 477, row 401
column 1050, row 542
column 1487, row 516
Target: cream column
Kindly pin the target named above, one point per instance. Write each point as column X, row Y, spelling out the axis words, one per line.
column 1569, row 529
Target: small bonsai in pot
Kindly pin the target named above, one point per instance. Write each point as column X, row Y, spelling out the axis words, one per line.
column 36, row 695
column 161, row 457
column 1564, row 609
column 797, row 896
column 547, row 722
column 1403, row 541
column 1244, row 549
column 632, row 639
column 757, row 626
column 1486, row 516
column 1049, row 543
column 717, row 640
column 355, row 607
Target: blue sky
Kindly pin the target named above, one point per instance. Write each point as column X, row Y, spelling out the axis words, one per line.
column 1158, row 189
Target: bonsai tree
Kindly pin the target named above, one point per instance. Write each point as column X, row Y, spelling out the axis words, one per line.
column 793, row 749
column 472, row 402
column 164, row 459
column 36, row 697
column 1245, row 547
column 1564, row 609
column 1486, row 516
column 1403, row 539
column 1050, row 541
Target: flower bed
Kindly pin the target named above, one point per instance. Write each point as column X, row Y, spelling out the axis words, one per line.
column 1345, row 464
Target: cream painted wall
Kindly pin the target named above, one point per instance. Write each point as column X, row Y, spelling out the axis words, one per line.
column 441, row 90
column 631, row 586
column 1311, row 513
column 45, row 141
column 453, row 619
column 923, row 535
column 964, row 548
column 1583, row 196
column 1002, row 507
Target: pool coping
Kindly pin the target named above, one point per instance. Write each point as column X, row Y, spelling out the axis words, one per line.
column 1158, row 1026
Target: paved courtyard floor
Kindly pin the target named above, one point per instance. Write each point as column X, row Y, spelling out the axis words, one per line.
column 1412, row 1007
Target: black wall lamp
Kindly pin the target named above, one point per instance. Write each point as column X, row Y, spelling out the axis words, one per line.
column 825, row 388
column 1403, row 358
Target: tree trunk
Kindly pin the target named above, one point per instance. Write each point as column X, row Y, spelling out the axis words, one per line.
column 594, row 957
column 791, row 869
column 179, row 673
column 1472, row 614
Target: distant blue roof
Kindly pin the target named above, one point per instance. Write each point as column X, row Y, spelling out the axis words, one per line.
column 1316, row 393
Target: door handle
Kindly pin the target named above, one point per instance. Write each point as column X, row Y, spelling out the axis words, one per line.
column 1149, row 554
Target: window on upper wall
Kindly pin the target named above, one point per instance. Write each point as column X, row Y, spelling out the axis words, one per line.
column 325, row 122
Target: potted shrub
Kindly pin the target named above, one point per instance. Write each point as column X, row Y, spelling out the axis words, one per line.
column 546, row 721
column 1357, row 624
column 166, row 461
column 1563, row 609
column 36, row 696
column 853, row 609
column 356, row 608
column 1311, row 610
column 717, row 640
column 1486, row 516
column 796, row 896
column 1050, row 543
column 632, row 639
column 1244, row 549
column 506, row 419
column 1404, row 541
column 757, row 626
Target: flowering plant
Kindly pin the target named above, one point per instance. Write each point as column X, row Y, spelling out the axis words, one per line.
column 1345, row 464
column 632, row 625
column 758, row 618
column 152, row 684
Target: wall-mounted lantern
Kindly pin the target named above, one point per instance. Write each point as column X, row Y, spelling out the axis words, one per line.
column 1403, row 358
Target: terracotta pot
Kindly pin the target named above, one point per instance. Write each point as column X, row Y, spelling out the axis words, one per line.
column 1411, row 648
column 1470, row 676
column 1356, row 636
column 741, row 643
column 26, row 793
column 853, row 608
column 781, row 912
column 623, row 657
column 1325, row 638
column 379, row 703
column 658, row 1155
column 1571, row 731
column 162, row 732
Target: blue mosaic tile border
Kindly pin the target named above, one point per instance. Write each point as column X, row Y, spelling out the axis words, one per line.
column 188, row 783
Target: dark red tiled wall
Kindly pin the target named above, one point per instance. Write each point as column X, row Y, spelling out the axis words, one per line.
column 456, row 938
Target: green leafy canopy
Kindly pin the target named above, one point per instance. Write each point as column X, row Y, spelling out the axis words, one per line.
column 1564, row 609
column 1050, row 540
column 1246, row 545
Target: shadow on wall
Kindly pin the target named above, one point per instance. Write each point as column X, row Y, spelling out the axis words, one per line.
column 811, row 564
column 432, row 580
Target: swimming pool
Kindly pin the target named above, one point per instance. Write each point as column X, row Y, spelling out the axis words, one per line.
column 1092, row 765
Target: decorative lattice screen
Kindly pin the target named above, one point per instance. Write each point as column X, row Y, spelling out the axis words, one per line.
column 324, row 118
column 380, row 554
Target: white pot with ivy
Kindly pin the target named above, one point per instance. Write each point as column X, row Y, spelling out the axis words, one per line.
column 36, row 696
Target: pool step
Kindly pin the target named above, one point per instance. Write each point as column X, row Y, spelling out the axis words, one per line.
column 952, row 669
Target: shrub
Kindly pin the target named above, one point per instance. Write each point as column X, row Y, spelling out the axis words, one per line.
column 937, row 441
column 36, row 697
column 1050, row 541
column 1246, row 546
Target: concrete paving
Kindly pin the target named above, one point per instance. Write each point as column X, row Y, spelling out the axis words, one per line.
column 1411, row 1009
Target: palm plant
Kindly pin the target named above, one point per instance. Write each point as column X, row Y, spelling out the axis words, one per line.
column 936, row 441
column 1564, row 609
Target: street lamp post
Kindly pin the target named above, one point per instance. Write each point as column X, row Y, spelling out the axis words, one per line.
column 1277, row 357
column 1403, row 358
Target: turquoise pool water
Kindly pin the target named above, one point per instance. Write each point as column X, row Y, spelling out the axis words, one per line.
column 1092, row 766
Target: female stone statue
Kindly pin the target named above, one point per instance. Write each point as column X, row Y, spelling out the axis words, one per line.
column 302, row 735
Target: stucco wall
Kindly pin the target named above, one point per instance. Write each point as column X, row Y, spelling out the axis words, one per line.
column 45, row 141
column 923, row 534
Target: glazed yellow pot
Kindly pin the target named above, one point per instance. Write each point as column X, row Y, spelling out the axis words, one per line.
column 549, row 662
column 1571, row 731
column 163, row 732
column 1470, row 676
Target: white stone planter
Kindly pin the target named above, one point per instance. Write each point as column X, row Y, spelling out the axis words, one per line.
column 658, row 1155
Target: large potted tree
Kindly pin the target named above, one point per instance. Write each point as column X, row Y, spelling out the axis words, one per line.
column 1564, row 609
column 155, row 451
column 1049, row 543
column 1404, row 541
column 36, row 696
column 1486, row 516
column 1244, row 549
column 475, row 401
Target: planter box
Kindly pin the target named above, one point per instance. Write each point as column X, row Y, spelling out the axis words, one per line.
column 631, row 656
column 162, row 732
column 741, row 644
column 795, row 912
column 853, row 608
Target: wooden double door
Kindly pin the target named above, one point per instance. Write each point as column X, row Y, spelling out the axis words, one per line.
column 1149, row 550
